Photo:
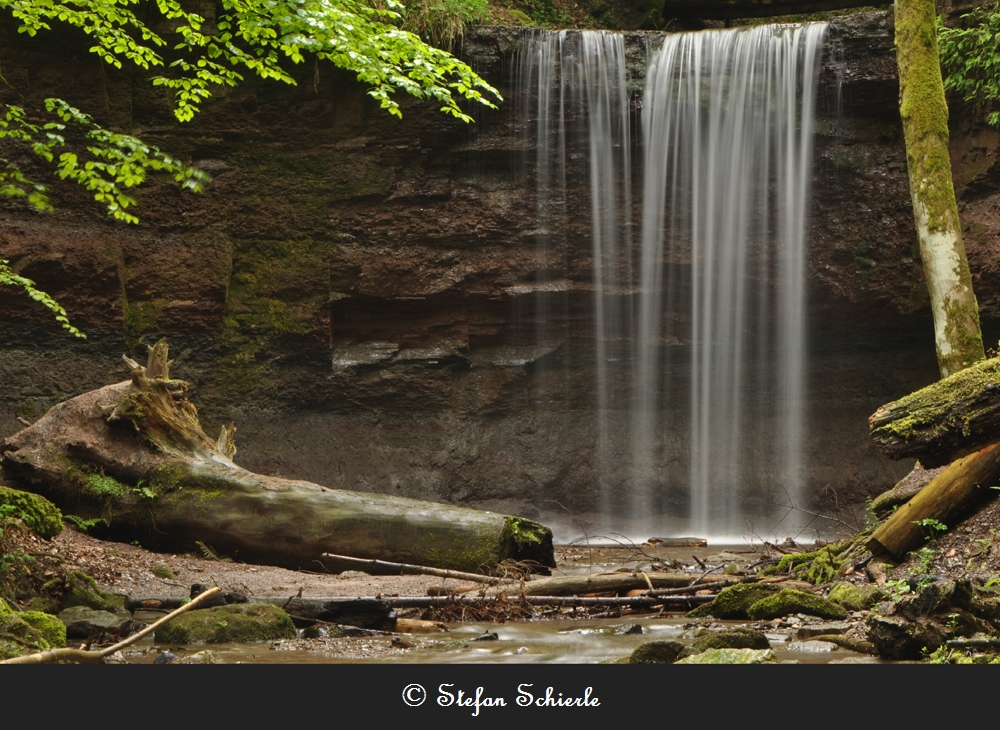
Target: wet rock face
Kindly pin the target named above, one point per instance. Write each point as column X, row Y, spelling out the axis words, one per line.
column 361, row 295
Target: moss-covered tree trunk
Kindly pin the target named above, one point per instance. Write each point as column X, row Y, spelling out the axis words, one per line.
column 922, row 107
column 134, row 456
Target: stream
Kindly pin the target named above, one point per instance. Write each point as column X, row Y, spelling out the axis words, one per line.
column 543, row 641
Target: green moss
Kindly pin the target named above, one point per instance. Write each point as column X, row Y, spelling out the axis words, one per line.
column 82, row 590
column 53, row 630
column 789, row 601
column 923, row 407
column 163, row 571
column 734, row 601
column 276, row 291
column 819, row 566
column 102, row 486
column 238, row 624
column 855, row 597
column 738, row 638
column 38, row 513
column 19, row 636
column 526, row 540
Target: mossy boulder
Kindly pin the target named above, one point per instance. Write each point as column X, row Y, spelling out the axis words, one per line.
column 237, row 624
column 734, row 601
column 789, row 601
column 739, row 638
column 28, row 632
column 855, row 597
column 730, row 656
column 82, row 590
column 53, row 630
column 38, row 513
column 658, row 652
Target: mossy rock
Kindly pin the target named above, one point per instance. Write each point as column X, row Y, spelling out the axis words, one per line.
column 789, row 601
column 734, row 601
column 730, row 656
column 28, row 632
column 976, row 599
column 893, row 637
column 163, row 571
column 38, row 513
column 658, row 652
column 237, row 624
column 855, row 597
column 739, row 638
column 82, row 590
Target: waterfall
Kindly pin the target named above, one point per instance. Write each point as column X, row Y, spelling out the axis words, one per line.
column 701, row 344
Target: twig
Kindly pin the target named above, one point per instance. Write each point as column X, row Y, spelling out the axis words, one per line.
column 412, row 569
column 97, row 657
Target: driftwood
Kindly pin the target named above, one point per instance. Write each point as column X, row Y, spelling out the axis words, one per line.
column 581, row 585
column 949, row 419
column 384, row 567
column 619, row 601
column 134, row 454
column 732, row 9
column 946, row 498
column 82, row 656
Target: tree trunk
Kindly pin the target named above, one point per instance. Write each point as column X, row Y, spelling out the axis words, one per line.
column 135, row 456
column 944, row 421
column 957, row 336
column 945, row 499
column 922, row 107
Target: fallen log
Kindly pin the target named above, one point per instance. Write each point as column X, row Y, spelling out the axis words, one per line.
column 733, row 9
column 579, row 585
column 946, row 498
column 134, row 455
column 946, row 420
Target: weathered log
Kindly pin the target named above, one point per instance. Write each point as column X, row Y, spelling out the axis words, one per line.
column 944, row 421
column 580, row 585
column 134, row 455
column 948, row 496
column 732, row 9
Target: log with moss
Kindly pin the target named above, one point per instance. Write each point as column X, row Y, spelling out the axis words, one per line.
column 949, row 419
column 134, row 458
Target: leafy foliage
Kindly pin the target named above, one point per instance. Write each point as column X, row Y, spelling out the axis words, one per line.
column 970, row 59
column 9, row 278
column 255, row 36
column 105, row 162
column 248, row 36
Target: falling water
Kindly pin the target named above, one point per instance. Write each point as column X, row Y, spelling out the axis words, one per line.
column 700, row 374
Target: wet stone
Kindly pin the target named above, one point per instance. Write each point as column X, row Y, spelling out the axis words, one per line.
column 810, row 646
column 81, row 622
column 823, row 629
column 730, row 656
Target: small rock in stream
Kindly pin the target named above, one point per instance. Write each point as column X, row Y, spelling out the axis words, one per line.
column 488, row 636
